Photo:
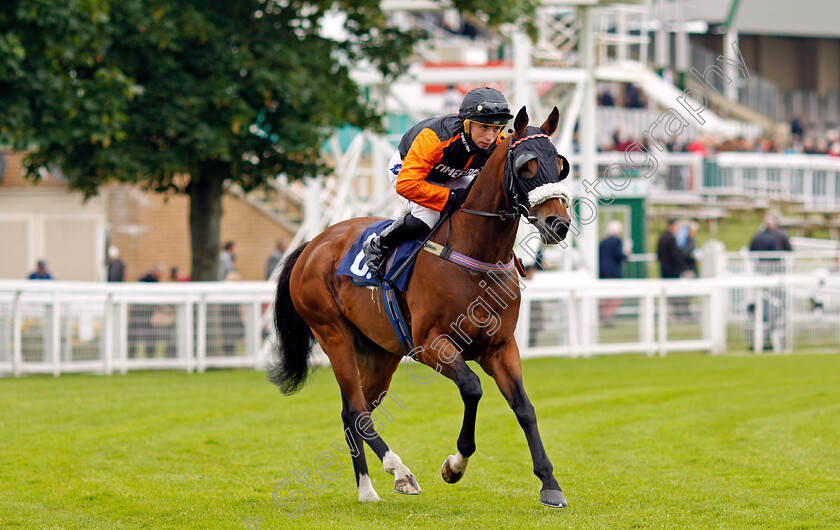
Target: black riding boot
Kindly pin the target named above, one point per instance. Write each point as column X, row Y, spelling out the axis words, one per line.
column 380, row 246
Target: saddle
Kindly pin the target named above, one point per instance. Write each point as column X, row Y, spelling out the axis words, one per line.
column 400, row 266
column 353, row 263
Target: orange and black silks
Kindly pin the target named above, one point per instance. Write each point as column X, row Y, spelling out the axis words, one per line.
column 434, row 152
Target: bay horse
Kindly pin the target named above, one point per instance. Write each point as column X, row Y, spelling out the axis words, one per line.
column 521, row 177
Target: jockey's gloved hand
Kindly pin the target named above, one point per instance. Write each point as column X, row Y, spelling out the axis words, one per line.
column 457, row 198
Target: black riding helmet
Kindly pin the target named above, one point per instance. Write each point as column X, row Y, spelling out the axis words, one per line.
column 485, row 105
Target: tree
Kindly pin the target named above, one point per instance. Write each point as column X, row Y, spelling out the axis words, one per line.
column 187, row 96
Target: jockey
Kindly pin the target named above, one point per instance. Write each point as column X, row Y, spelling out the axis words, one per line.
column 436, row 161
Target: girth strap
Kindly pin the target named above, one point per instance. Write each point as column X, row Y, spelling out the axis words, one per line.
column 444, row 252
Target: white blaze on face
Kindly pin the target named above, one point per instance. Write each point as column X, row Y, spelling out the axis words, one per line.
column 546, row 192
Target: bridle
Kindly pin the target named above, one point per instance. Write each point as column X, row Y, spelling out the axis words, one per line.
column 512, row 194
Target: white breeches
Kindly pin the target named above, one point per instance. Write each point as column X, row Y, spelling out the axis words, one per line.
column 427, row 215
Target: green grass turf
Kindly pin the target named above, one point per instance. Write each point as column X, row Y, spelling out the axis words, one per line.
column 675, row 442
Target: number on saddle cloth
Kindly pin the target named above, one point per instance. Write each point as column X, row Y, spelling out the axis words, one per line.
column 354, row 266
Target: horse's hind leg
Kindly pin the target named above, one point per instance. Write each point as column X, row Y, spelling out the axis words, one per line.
column 335, row 335
column 506, row 369
column 376, row 367
column 357, row 454
column 336, row 338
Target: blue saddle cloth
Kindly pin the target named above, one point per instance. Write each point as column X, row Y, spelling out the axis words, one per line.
column 353, row 263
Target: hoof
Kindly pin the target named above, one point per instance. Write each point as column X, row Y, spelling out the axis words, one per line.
column 450, row 476
column 370, row 496
column 553, row 498
column 407, row 485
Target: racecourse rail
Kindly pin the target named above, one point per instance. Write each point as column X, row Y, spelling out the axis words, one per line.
column 53, row 327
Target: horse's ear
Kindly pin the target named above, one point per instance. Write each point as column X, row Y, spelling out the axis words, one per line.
column 551, row 122
column 520, row 122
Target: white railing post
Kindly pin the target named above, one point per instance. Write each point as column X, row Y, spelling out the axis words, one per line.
column 788, row 310
column 648, row 322
column 588, row 322
column 758, row 321
column 201, row 332
column 67, row 351
column 523, row 330
column 254, row 331
column 17, row 335
column 108, row 335
column 574, row 324
column 189, row 338
column 123, row 335
column 717, row 320
column 663, row 322
column 55, row 334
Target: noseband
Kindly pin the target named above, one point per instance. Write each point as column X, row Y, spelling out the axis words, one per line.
column 511, row 193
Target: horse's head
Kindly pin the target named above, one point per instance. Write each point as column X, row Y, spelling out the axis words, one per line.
column 533, row 174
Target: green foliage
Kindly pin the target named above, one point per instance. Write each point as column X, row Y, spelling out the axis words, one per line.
column 685, row 441
column 144, row 90
column 140, row 91
column 148, row 91
column 501, row 11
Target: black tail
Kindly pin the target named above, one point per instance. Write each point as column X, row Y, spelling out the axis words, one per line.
column 290, row 366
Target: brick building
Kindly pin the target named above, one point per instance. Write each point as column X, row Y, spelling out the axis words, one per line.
column 47, row 221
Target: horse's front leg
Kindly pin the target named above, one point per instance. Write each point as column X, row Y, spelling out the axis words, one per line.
column 505, row 368
column 469, row 385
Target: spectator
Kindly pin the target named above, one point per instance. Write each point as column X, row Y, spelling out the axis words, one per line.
column 797, row 130
column 275, row 258
column 610, row 252
column 41, row 272
column 672, row 144
column 610, row 257
column 468, row 28
column 671, row 262
column 153, row 274
column 605, row 99
column 227, row 260
column 687, row 244
column 697, row 146
column 633, row 97
column 772, row 238
column 116, row 268
column 175, row 275
column 822, row 147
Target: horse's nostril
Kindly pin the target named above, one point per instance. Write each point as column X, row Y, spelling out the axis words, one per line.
column 558, row 225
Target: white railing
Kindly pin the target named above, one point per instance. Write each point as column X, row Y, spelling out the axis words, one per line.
column 810, row 179
column 654, row 317
column 60, row 327
column 813, row 262
column 632, row 123
column 813, row 180
column 64, row 327
column 745, row 263
column 662, row 171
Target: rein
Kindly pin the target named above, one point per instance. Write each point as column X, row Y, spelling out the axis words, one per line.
column 511, row 194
